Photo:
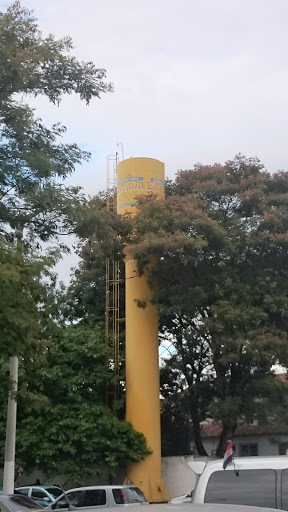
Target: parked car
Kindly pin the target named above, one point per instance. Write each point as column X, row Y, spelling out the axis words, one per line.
column 257, row 481
column 196, row 507
column 99, row 496
column 44, row 495
column 17, row 503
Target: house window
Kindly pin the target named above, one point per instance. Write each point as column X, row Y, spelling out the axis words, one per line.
column 283, row 448
column 248, row 449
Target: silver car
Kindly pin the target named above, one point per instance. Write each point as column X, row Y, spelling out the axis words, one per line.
column 99, row 496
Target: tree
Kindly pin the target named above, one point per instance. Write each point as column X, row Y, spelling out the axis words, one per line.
column 35, row 207
column 221, row 242
column 33, row 159
column 185, row 379
column 23, row 295
column 100, row 234
column 25, row 319
column 62, row 409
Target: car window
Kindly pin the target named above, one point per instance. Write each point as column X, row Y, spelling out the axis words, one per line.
column 23, row 491
column 38, row 494
column 246, row 487
column 54, row 491
column 119, row 497
column 128, row 495
column 134, row 495
column 74, row 498
column 61, row 503
column 94, row 498
column 284, row 489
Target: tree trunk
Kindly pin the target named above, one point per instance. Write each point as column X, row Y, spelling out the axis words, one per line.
column 197, row 439
column 227, row 433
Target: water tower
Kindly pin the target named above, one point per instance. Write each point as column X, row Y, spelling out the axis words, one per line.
column 136, row 177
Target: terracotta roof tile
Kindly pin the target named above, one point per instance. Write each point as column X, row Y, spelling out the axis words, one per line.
column 213, row 429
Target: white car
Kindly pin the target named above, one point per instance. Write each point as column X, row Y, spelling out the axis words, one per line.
column 256, row 481
column 197, row 507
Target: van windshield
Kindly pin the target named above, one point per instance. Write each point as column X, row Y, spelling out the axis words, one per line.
column 250, row 487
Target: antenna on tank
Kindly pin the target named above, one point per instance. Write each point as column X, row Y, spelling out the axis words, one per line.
column 122, row 151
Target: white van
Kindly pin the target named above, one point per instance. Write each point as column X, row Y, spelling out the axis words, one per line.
column 258, row 481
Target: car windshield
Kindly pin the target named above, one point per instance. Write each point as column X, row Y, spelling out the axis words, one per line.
column 18, row 502
column 54, row 491
column 134, row 495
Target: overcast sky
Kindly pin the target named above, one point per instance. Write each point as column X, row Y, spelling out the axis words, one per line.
column 195, row 80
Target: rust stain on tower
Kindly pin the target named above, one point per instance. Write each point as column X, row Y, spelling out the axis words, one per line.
column 136, row 177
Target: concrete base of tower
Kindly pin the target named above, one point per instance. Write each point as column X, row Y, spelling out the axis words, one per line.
column 151, row 485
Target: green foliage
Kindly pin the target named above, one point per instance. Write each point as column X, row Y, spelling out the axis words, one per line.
column 36, row 65
column 89, row 434
column 234, row 287
column 185, row 379
column 86, row 294
column 176, row 438
column 63, row 409
column 23, row 316
column 220, row 279
column 35, row 206
column 33, row 160
column 65, row 375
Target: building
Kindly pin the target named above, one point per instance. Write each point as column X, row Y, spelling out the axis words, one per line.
column 249, row 439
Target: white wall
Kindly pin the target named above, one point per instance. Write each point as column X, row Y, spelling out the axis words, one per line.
column 177, row 475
